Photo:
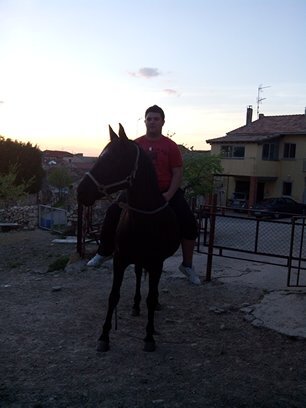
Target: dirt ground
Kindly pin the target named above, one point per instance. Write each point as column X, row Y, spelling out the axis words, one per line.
column 208, row 354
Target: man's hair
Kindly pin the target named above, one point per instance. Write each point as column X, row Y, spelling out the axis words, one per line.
column 155, row 109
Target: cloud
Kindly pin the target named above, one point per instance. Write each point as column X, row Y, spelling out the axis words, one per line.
column 169, row 91
column 146, row 72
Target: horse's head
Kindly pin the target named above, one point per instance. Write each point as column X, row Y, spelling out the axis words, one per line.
column 114, row 170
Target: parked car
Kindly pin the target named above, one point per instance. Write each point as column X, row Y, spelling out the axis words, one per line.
column 239, row 202
column 278, row 207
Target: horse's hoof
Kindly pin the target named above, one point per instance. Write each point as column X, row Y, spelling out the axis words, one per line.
column 149, row 346
column 102, row 346
column 135, row 312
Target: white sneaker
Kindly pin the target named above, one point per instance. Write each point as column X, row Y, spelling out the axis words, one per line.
column 190, row 273
column 98, row 260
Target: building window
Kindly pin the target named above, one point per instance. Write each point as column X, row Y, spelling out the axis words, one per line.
column 270, row 151
column 289, row 150
column 232, row 152
column 287, row 188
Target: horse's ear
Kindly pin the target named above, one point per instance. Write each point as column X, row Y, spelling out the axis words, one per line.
column 112, row 134
column 122, row 133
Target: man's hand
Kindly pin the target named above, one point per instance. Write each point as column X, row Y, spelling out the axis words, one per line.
column 177, row 175
column 167, row 196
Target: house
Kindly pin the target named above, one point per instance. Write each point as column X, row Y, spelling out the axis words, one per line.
column 264, row 158
column 78, row 164
column 53, row 157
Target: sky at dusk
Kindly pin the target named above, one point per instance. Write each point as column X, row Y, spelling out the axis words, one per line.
column 70, row 67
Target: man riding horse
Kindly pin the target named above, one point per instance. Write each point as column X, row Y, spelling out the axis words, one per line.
column 167, row 160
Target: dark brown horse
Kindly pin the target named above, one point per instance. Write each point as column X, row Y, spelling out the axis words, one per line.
column 147, row 233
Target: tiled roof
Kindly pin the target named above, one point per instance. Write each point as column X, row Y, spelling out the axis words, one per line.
column 56, row 153
column 264, row 128
column 243, row 138
column 274, row 124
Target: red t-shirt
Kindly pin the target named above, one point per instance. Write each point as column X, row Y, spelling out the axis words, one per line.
column 165, row 156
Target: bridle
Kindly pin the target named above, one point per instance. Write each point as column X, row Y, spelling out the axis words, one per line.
column 128, row 181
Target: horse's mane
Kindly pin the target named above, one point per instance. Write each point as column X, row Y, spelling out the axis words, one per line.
column 149, row 172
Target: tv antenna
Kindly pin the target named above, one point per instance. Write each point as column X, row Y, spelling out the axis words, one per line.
column 259, row 97
column 137, row 124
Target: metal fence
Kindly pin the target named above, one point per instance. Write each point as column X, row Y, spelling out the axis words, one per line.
column 225, row 233
column 297, row 261
column 277, row 242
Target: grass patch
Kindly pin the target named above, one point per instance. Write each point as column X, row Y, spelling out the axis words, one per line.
column 14, row 264
column 59, row 264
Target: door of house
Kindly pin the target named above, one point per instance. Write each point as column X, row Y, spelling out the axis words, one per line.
column 242, row 186
column 260, row 191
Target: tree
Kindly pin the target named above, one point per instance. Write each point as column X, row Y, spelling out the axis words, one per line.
column 26, row 158
column 10, row 190
column 199, row 171
column 60, row 178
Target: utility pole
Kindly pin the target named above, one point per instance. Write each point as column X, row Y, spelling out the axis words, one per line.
column 259, row 98
column 1, row 102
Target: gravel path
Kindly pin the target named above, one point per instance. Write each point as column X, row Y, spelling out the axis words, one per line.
column 207, row 354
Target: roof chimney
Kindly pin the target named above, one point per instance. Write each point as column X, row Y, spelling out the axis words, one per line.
column 249, row 114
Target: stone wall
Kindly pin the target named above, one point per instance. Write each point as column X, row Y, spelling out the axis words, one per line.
column 26, row 216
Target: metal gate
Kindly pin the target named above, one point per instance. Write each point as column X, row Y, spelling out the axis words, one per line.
column 52, row 218
column 89, row 223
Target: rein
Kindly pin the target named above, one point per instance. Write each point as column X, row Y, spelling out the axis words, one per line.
column 125, row 206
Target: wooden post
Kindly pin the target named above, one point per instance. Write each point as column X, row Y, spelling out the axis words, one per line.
column 80, row 244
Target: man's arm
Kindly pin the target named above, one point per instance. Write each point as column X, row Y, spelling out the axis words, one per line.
column 177, row 176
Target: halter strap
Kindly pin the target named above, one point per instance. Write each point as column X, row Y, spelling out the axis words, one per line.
column 102, row 188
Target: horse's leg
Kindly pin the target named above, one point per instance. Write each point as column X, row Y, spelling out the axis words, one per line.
column 118, row 272
column 152, row 301
column 137, row 297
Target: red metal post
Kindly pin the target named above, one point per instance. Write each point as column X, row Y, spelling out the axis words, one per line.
column 211, row 238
